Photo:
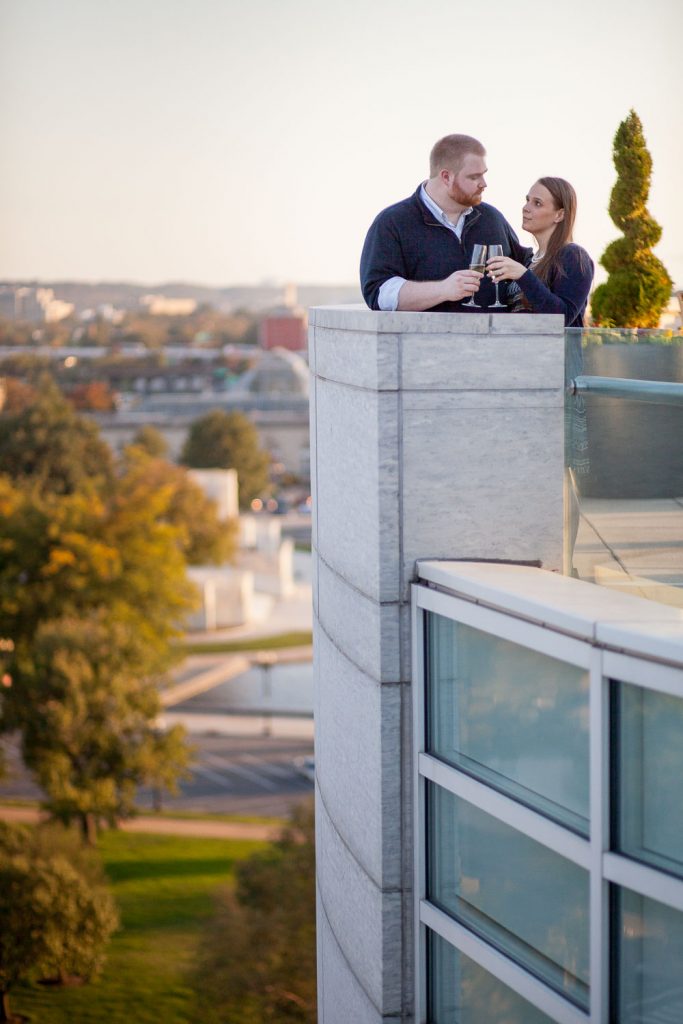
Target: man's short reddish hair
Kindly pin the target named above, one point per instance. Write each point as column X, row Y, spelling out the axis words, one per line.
column 449, row 153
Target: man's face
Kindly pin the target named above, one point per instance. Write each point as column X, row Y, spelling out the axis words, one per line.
column 466, row 187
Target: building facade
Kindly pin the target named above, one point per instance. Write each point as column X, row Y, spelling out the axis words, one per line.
column 482, row 848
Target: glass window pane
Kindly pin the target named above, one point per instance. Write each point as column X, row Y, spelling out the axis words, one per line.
column 462, row 992
column 515, row 719
column 649, row 956
column 646, row 776
column 513, row 892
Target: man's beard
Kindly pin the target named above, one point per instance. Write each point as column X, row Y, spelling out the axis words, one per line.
column 466, row 199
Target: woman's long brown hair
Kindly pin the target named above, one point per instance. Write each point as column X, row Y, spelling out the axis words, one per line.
column 564, row 198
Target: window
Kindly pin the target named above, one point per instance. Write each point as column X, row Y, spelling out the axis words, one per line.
column 511, row 717
column 462, row 992
column 521, row 897
column 649, row 954
column 647, row 775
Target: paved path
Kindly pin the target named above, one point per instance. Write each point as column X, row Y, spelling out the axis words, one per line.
column 162, row 826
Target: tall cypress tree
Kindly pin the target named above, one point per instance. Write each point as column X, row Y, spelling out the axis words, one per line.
column 638, row 286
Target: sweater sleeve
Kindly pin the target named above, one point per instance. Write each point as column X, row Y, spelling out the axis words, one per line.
column 568, row 290
column 382, row 258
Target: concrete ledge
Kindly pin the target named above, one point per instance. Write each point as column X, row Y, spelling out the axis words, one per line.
column 362, row 358
column 583, row 609
column 470, row 361
column 360, row 318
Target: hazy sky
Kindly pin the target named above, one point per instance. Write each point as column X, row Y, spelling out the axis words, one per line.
column 223, row 142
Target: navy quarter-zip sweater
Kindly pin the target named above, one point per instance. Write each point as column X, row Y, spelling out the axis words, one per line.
column 406, row 240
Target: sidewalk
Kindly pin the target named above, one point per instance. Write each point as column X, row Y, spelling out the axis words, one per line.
column 162, row 826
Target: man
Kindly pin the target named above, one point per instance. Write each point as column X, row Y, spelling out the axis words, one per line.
column 417, row 252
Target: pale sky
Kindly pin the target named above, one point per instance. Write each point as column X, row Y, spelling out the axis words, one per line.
column 236, row 141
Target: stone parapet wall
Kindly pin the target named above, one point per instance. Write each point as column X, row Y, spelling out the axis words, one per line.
column 436, row 436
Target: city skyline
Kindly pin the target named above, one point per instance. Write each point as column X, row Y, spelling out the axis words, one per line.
column 218, row 144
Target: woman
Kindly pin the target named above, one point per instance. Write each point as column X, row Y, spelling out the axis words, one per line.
column 561, row 273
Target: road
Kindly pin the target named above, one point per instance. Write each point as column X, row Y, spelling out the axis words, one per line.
column 240, row 774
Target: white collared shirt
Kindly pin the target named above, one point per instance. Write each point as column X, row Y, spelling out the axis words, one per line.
column 388, row 293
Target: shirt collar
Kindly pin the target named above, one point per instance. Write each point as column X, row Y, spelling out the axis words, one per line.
column 438, row 212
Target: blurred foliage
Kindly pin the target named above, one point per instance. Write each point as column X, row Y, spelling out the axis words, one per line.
column 151, row 441
column 88, row 732
column 93, row 396
column 57, row 913
column 228, row 440
column 47, row 443
column 257, row 960
column 93, row 592
column 630, row 336
column 204, row 539
column 638, row 287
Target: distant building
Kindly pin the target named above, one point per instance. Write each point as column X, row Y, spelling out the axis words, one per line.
column 283, row 329
column 161, row 305
column 33, row 304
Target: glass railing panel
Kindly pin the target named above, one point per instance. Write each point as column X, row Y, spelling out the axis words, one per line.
column 511, row 717
column 527, row 901
column 625, row 462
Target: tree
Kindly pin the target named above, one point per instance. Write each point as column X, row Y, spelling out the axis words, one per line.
column 89, row 733
column 204, row 539
column 70, row 555
column 638, row 287
column 92, row 592
column 95, row 395
column 55, row 919
column 16, row 395
column 272, row 911
column 151, row 441
column 48, row 443
column 228, row 440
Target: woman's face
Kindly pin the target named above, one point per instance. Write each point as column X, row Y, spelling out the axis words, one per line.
column 539, row 213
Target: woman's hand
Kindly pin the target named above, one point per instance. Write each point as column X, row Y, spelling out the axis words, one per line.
column 502, row 268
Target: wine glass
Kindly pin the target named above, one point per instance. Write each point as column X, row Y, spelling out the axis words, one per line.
column 496, row 250
column 477, row 262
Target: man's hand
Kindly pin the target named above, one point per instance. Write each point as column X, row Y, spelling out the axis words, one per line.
column 461, row 284
column 416, row 296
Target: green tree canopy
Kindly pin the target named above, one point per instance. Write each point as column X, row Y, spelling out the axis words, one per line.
column 88, row 729
column 272, row 910
column 228, row 440
column 204, row 539
column 92, row 592
column 638, row 287
column 50, row 445
column 151, row 440
column 69, row 555
column 56, row 920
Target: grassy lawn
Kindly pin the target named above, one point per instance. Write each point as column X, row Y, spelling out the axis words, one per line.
column 263, row 643
column 163, row 886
